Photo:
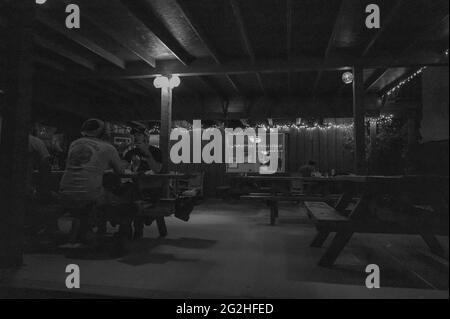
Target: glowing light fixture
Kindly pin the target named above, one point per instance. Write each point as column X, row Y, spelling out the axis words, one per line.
column 164, row 82
column 347, row 77
column 174, row 81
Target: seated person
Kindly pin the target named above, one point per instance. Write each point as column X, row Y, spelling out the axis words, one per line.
column 81, row 187
column 307, row 171
column 39, row 191
column 142, row 155
column 143, row 158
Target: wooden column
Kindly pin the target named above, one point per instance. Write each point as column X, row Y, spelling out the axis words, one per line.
column 373, row 141
column 15, row 128
column 358, row 117
column 166, row 125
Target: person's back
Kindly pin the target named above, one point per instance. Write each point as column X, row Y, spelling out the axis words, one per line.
column 89, row 157
column 307, row 170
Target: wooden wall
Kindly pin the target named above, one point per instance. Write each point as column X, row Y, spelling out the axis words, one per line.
column 326, row 147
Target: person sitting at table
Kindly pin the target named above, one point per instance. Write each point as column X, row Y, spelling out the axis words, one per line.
column 307, row 171
column 38, row 190
column 81, row 187
column 142, row 156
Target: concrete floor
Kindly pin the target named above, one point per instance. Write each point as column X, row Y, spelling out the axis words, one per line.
column 228, row 250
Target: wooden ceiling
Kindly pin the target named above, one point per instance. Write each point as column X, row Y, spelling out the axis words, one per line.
column 227, row 48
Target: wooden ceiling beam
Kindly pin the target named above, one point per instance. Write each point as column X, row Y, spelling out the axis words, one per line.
column 142, row 12
column 62, row 51
column 49, row 63
column 289, row 39
column 202, row 67
column 245, row 39
column 76, row 37
column 202, row 36
column 119, row 37
column 414, row 44
column 330, row 44
column 384, row 26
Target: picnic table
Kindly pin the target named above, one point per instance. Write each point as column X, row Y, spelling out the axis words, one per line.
column 273, row 193
column 156, row 209
column 419, row 206
column 160, row 208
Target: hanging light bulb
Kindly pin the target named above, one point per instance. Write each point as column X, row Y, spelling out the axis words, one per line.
column 161, row 82
column 347, row 77
column 164, row 82
column 174, row 81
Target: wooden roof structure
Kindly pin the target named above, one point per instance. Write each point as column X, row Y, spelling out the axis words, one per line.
column 226, row 50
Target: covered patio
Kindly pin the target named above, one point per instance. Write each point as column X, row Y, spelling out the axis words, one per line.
column 367, row 108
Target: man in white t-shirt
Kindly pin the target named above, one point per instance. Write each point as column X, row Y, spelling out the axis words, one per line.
column 89, row 157
column 81, row 187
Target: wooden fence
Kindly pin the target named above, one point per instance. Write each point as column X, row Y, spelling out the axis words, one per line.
column 329, row 148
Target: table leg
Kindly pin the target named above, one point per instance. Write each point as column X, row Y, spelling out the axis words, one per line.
column 162, row 228
column 320, row 238
column 339, row 242
column 273, row 212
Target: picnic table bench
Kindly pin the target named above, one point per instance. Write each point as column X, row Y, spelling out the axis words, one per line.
column 158, row 209
column 273, row 201
column 272, row 196
column 328, row 219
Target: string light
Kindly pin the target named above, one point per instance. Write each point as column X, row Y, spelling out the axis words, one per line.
column 409, row 79
column 381, row 120
column 405, row 81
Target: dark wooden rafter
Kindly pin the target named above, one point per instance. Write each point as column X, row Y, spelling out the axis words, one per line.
column 76, row 37
column 49, row 63
column 384, row 26
column 142, row 12
column 146, row 85
column 394, row 83
column 111, row 90
column 245, row 39
column 203, row 38
column 212, row 87
column 203, row 67
column 414, row 44
column 127, row 42
column 330, row 44
column 133, row 87
column 62, row 51
column 289, row 40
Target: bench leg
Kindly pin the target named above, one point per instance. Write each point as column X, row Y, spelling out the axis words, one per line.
column 273, row 212
column 339, row 242
column 162, row 228
column 433, row 243
column 320, row 238
column 272, row 215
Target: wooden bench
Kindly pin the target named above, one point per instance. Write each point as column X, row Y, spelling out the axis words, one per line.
column 273, row 201
column 328, row 220
column 158, row 211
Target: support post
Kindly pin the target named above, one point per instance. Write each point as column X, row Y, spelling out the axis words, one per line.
column 166, row 126
column 373, row 141
column 14, row 136
column 358, row 118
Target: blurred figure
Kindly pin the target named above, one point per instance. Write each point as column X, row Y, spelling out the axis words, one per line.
column 38, row 188
column 142, row 156
column 308, row 169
